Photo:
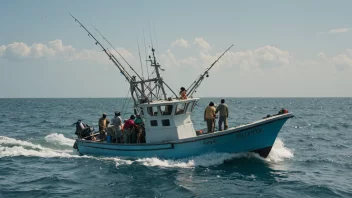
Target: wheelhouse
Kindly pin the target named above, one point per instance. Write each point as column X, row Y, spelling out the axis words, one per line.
column 168, row 120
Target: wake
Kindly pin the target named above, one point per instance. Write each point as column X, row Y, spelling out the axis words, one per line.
column 10, row 147
column 278, row 154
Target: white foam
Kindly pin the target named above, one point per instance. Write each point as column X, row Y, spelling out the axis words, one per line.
column 6, row 141
column 206, row 160
column 20, row 151
column 120, row 161
column 59, row 139
column 10, row 147
column 279, row 152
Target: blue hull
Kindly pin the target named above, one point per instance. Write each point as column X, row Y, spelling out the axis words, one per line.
column 254, row 137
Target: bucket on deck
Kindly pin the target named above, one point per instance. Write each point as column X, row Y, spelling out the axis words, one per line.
column 108, row 138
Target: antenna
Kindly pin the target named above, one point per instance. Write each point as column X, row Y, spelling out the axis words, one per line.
column 140, row 59
column 150, row 34
column 146, row 56
column 156, row 39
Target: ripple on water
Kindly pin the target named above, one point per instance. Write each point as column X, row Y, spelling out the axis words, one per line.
column 39, row 160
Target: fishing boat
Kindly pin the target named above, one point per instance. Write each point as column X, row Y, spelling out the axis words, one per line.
column 168, row 128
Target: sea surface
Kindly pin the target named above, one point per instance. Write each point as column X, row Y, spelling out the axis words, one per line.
column 310, row 158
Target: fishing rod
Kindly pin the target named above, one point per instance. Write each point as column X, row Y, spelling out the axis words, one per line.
column 119, row 66
column 128, row 77
column 118, row 53
column 142, row 79
column 192, row 88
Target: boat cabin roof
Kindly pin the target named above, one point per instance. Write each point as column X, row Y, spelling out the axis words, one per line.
column 166, row 102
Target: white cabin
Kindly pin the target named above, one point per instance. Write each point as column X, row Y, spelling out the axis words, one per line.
column 168, row 120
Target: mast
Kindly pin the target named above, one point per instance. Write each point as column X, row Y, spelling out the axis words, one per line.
column 192, row 88
column 137, row 88
column 131, row 79
column 160, row 79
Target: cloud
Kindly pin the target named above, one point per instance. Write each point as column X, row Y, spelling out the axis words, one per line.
column 339, row 30
column 202, row 43
column 168, row 59
column 335, row 31
column 262, row 57
column 180, row 43
column 341, row 61
column 55, row 50
column 189, row 61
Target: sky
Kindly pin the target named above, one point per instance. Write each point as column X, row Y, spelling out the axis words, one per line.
column 281, row 48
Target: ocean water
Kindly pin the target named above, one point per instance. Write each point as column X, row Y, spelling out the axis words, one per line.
column 310, row 158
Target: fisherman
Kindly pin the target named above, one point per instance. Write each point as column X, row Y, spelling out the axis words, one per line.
column 282, row 111
column 183, row 95
column 79, row 128
column 117, row 126
column 209, row 117
column 223, row 115
column 127, row 129
column 136, row 131
column 138, row 120
column 103, row 123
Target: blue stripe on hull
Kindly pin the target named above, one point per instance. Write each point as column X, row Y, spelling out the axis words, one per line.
column 241, row 139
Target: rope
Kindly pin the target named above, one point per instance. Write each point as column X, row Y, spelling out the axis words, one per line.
column 124, row 105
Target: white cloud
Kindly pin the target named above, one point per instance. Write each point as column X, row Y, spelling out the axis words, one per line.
column 168, row 59
column 340, row 61
column 202, row 43
column 339, row 30
column 189, row 61
column 180, row 43
column 262, row 57
column 55, row 50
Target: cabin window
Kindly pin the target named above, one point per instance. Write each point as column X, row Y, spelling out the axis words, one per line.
column 153, row 123
column 152, row 111
column 141, row 111
column 166, row 109
column 180, row 108
column 165, row 122
column 189, row 107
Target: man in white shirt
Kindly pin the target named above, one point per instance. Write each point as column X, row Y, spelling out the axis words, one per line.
column 117, row 125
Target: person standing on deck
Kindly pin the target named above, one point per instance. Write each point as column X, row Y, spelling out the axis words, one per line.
column 129, row 124
column 103, row 123
column 117, row 126
column 223, row 115
column 209, row 117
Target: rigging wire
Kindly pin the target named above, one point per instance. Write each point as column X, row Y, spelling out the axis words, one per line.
column 150, row 34
column 116, row 51
column 146, row 56
column 140, row 58
column 124, row 105
column 156, row 39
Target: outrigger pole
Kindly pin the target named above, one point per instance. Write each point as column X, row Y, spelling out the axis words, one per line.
column 192, row 88
column 129, row 78
column 139, row 92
